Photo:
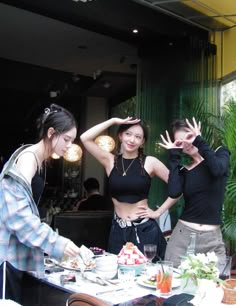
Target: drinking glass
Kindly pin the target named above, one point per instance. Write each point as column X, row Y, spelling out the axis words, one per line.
column 164, row 276
column 150, row 251
column 126, row 278
column 126, row 275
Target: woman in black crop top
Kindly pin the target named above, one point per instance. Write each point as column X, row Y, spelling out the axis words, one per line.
column 202, row 184
column 130, row 173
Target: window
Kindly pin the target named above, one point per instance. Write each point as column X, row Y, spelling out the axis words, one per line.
column 228, row 91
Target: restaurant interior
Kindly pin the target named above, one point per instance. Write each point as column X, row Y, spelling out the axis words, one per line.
column 152, row 59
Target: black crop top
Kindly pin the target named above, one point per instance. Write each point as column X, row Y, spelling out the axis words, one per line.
column 131, row 188
column 203, row 186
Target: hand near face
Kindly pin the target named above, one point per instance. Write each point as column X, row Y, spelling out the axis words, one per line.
column 195, row 128
column 168, row 144
column 194, row 131
column 127, row 120
column 183, row 137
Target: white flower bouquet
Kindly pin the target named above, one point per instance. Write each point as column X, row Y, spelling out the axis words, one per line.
column 200, row 266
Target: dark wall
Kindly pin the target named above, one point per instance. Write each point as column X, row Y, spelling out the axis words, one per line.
column 19, row 111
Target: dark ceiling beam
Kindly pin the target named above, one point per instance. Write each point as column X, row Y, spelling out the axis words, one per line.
column 112, row 18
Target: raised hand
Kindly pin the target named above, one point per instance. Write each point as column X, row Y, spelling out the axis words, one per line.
column 195, row 128
column 168, row 144
column 127, row 120
column 194, row 131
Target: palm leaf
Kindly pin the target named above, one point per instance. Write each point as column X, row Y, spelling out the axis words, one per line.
column 226, row 132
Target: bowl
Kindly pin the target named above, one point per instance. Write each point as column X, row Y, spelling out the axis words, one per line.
column 107, row 267
column 106, row 262
column 106, row 274
column 138, row 268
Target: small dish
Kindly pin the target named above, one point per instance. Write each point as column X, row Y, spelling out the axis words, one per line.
column 143, row 281
column 76, row 265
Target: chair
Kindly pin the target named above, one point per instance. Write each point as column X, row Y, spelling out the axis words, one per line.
column 83, row 299
column 90, row 228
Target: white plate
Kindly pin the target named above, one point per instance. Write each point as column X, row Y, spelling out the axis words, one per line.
column 67, row 265
column 141, row 281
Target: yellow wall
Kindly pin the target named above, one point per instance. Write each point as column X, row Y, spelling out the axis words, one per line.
column 226, row 52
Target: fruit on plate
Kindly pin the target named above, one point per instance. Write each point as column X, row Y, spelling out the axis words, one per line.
column 131, row 255
column 77, row 263
column 97, row 251
column 151, row 280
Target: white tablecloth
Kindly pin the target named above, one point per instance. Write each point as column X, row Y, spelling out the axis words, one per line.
column 113, row 294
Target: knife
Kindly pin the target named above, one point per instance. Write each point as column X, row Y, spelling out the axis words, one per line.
column 109, row 291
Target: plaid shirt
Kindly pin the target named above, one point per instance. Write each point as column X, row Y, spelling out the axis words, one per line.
column 23, row 237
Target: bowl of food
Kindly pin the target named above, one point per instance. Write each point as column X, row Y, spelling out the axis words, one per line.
column 138, row 268
column 109, row 274
column 97, row 251
column 131, row 258
column 106, row 261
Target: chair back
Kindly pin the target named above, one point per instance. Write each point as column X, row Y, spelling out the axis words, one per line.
column 90, row 228
column 83, row 299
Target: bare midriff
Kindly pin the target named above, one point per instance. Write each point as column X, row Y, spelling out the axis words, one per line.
column 200, row 227
column 128, row 211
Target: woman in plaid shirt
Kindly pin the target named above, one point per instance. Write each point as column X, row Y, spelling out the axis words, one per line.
column 23, row 237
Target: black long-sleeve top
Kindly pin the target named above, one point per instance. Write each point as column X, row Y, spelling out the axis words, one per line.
column 203, row 186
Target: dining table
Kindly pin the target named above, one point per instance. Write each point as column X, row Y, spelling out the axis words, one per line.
column 58, row 284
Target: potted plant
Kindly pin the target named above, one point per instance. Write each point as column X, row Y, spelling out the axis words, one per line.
column 199, row 266
column 201, row 270
column 224, row 128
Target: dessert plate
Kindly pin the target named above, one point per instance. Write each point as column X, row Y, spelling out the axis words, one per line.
column 76, row 265
column 143, row 281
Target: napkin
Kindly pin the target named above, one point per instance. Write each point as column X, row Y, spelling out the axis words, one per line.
column 86, row 255
column 95, row 278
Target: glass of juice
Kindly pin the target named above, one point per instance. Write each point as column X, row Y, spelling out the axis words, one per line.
column 164, row 277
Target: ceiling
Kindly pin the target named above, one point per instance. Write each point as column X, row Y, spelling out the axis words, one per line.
column 88, row 47
column 211, row 15
column 74, row 54
column 72, row 49
column 78, row 48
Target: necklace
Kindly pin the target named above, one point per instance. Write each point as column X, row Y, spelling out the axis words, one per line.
column 123, row 168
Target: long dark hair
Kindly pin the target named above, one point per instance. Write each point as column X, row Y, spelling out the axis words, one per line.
column 141, row 157
column 57, row 117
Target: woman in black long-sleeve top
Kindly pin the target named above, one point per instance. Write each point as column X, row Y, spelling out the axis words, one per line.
column 202, row 184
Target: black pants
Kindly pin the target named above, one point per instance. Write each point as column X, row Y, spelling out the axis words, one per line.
column 13, row 289
column 148, row 232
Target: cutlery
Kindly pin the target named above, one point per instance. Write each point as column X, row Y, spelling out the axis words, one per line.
column 109, row 291
column 96, row 279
